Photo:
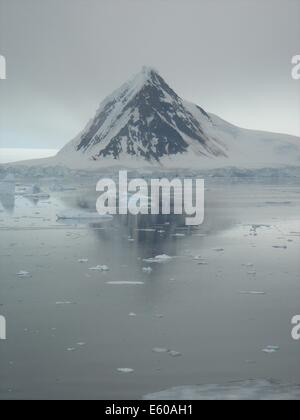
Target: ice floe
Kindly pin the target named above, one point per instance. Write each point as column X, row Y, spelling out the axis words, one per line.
column 99, row 268
column 271, row 349
column 23, row 274
column 158, row 259
column 172, row 353
column 159, row 350
column 125, row 370
column 244, row 390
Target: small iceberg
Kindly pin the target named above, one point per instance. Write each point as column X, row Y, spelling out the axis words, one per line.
column 125, row 370
column 23, row 274
column 159, row 259
column 174, row 353
column 8, row 185
column 100, row 268
column 159, row 350
column 271, row 349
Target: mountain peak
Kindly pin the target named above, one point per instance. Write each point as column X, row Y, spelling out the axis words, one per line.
column 146, row 76
column 149, row 72
column 147, row 119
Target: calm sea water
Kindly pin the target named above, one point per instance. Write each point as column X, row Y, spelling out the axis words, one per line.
column 71, row 328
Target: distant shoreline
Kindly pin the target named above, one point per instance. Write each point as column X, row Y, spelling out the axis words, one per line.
column 8, row 155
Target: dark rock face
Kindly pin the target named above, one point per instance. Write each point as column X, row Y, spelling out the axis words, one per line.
column 145, row 118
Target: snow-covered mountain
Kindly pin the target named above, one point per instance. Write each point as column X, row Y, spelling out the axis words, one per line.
column 145, row 123
column 144, row 120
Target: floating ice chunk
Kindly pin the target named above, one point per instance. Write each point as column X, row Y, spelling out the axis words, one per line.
column 147, row 270
column 124, row 283
column 251, row 292
column 160, row 350
column 83, row 260
column 71, row 349
column 174, row 353
column 271, row 349
column 125, row 370
column 179, row 235
column 23, row 274
column 159, row 259
column 81, row 344
column 245, row 390
column 132, row 314
column 99, row 268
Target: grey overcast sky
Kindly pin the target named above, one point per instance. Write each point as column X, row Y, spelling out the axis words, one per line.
column 232, row 57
